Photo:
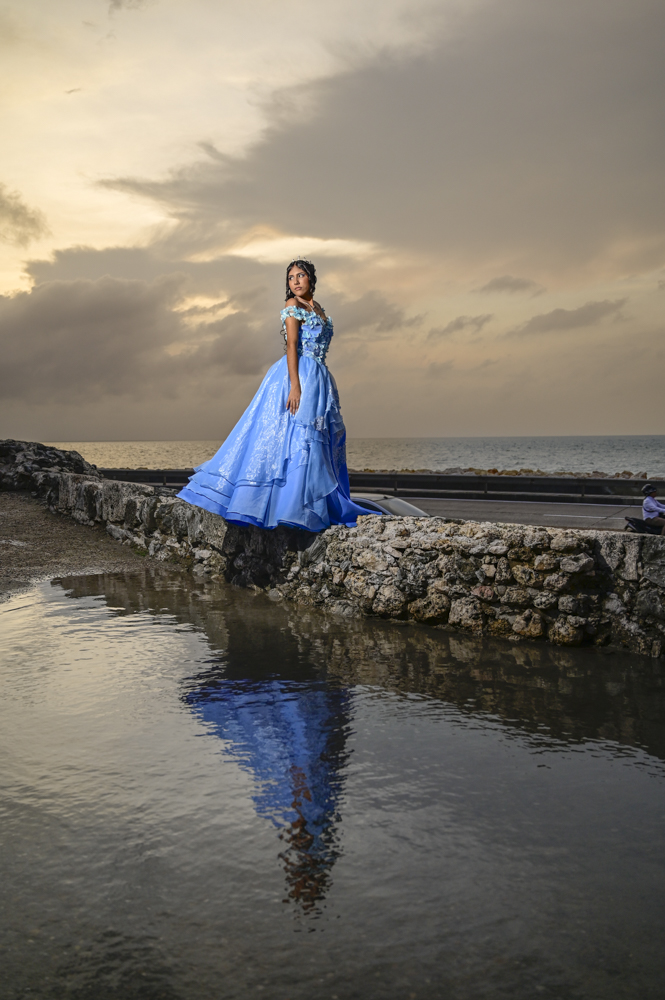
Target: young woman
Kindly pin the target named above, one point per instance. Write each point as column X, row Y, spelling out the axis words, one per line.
column 285, row 460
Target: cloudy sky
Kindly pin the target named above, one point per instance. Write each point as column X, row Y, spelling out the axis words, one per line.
column 480, row 183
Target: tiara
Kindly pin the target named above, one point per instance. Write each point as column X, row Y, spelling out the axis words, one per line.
column 303, row 259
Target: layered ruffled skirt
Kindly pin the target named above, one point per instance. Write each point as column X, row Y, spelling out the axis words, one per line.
column 275, row 468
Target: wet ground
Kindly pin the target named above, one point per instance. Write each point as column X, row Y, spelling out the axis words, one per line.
column 38, row 545
column 209, row 796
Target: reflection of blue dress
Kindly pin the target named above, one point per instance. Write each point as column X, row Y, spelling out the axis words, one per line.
column 275, row 468
column 285, row 733
column 290, row 736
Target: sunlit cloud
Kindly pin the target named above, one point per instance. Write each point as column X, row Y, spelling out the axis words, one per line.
column 284, row 248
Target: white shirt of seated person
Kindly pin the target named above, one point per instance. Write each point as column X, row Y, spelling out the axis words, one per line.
column 652, row 508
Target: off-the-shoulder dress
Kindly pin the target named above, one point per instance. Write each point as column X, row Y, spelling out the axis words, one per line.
column 278, row 468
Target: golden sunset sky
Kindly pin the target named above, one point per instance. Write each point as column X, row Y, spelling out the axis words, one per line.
column 481, row 184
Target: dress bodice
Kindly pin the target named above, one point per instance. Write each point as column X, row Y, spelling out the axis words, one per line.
column 315, row 333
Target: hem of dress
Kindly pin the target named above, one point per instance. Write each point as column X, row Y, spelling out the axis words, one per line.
column 196, row 499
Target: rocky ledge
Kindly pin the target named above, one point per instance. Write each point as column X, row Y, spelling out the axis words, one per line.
column 566, row 587
column 20, row 460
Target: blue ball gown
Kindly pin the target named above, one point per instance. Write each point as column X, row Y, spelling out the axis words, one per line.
column 276, row 468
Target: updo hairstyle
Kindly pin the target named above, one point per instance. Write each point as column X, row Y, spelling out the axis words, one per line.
column 309, row 270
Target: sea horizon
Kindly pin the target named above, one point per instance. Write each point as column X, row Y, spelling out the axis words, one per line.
column 637, row 454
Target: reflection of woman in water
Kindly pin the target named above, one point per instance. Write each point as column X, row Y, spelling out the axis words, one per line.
column 290, row 736
column 285, row 460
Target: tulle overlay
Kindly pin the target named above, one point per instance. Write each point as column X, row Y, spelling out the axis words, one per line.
column 275, row 468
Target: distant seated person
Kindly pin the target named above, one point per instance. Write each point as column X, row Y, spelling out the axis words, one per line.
column 653, row 512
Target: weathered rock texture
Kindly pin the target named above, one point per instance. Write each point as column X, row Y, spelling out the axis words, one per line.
column 566, row 587
column 20, row 460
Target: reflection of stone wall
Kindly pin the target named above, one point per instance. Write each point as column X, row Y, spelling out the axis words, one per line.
column 564, row 587
column 545, row 691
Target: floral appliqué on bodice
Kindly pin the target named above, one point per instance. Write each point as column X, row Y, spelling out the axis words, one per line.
column 315, row 333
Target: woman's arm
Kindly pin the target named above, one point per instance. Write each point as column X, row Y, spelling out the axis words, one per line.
column 292, row 329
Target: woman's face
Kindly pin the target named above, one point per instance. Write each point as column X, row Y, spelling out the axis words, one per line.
column 298, row 281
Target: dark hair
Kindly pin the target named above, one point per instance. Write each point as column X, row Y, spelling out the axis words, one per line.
column 309, row 270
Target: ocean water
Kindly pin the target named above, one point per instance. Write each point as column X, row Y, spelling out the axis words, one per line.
column 206, row 795
column 636, row 454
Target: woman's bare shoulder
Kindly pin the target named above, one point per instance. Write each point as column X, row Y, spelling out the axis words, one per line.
column 291, row 303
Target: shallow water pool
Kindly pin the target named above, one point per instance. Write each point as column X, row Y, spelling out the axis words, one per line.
column 206, row 795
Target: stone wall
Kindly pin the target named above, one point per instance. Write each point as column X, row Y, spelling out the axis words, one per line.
column 567, row 587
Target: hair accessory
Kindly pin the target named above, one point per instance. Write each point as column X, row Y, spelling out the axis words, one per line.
column 303, row 259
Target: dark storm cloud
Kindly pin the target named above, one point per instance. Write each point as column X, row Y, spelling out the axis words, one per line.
column 236, row 281
column 240, row 344
column 19, row 224
column 239, row 281
column 85, row 339
column 70, row 340
column 571, row 319
column 148, row 263
column 534, row 129
column 513, row 286
column 460, row 323
column 370, row 310
column 82, row 340
column 88, row 263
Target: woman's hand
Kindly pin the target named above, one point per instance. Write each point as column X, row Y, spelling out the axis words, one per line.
column 293, row 402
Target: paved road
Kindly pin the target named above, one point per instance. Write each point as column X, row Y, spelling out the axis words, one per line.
column 549, row 515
